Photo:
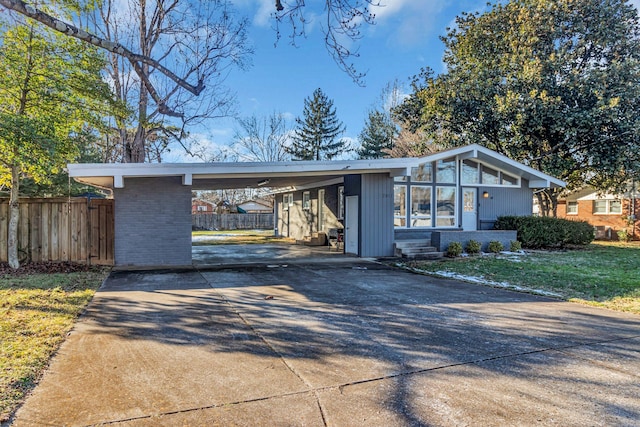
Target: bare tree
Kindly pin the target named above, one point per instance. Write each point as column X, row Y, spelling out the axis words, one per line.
column 342, row 24
column 202, row 40
column 262, row 139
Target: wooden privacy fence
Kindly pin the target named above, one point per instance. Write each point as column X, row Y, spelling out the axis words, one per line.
column 77, row 230
column 248, row 221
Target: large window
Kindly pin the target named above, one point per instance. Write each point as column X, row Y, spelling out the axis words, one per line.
column 422, row 173
column 400, row 206
column 446, row 203
column 490, row 176
column 420, row 206
column 470, row 172
column 446, row 173
column 607, row 207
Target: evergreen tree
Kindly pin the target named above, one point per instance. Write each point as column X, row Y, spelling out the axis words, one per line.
column 377, row 137
column 315, row 137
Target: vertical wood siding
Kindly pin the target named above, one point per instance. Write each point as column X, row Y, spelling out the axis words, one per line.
column 57, row 230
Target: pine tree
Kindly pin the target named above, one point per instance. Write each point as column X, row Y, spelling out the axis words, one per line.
column 315, row 137
column 377, row 136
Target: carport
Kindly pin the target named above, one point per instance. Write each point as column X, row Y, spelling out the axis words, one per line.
column 152, row 212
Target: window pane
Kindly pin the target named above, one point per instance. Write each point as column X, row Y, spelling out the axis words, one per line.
column 615, row 207
column 572, row 207
column 509, row 180
column 423, row 173
column 469, row 172
column 340, row 202
column 420, row 206
column 446, row 210
column 446, row 171
column 600, row 206
column 306, row 200
column 400, row 178
column 490, row 176
column 400, row 205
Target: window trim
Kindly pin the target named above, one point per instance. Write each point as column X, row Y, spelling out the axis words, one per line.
column 607, row 207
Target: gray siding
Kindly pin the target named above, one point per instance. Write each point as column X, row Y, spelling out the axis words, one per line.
column 503, row 201
column 376, row 216
column 153, row 222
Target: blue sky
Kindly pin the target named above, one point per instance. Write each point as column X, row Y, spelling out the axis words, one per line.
column 404, row 39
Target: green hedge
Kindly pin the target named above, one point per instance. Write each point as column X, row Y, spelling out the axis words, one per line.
column 545, row 232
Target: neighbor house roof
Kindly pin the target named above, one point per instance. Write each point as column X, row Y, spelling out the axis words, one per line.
column 293, row 174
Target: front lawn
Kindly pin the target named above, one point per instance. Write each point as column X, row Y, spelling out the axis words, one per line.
column 602, row 274
column 37, row 309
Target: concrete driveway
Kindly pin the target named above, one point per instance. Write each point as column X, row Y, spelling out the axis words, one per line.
column 338, row 344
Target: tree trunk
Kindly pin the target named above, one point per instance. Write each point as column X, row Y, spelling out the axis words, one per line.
column 14, row 216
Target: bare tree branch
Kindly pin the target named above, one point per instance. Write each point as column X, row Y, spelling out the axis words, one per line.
column 114, row 47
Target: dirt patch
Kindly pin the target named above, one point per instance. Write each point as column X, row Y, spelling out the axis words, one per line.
column 45, row 268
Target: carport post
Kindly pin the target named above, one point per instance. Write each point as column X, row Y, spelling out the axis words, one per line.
column 153, row 222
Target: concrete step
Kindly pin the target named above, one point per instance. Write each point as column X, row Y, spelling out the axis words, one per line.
column 418, row 250
column 426, row 255
column 412, row 243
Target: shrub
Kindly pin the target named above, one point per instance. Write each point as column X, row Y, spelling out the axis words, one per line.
column 495, row 246
column 454, row 249
column 545, row 232
column 623, row 235
column 515, row 246
column 473, row 247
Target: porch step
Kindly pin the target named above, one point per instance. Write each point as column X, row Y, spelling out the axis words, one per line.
column 316, row 239
column 420, row 249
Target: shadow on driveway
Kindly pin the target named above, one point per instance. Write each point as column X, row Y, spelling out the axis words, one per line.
column 340, row 344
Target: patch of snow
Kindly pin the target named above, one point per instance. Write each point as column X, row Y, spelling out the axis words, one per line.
column 482, row 281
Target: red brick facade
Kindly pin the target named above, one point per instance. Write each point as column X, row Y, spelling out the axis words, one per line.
column 607, row 224
column 200, row 206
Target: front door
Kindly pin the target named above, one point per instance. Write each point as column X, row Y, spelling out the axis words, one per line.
column 351, row 225
column 469, row 209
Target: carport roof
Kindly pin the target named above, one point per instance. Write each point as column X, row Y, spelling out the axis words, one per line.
column 292, row 174
column 211, row 176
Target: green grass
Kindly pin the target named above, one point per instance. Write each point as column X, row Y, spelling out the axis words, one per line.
column 36, row 312
column 236, row 237
column 602, row 274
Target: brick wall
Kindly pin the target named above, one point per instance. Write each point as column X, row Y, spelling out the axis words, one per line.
column 153, row 222
column 614, row 221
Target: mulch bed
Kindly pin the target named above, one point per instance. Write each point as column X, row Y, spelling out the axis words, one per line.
column 44, row 268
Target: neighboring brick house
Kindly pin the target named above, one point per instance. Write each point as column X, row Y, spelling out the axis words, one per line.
column 608, row 213
column 202, row 206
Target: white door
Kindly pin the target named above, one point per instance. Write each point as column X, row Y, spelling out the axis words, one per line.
column 469, row 209
column 351, row 225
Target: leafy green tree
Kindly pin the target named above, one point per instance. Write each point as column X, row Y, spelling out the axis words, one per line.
column 50, row 86
column 551, row 83
column 316, row 134
column 377, row 137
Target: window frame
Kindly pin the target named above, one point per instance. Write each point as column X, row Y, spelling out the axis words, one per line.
column 306, row 200
column 574, row 204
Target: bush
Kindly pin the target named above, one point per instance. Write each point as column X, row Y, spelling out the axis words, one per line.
column 545, row 232
column 473, row 247
column 454, row 249
column 623, row 235
column 495, row 246
column 515, row 246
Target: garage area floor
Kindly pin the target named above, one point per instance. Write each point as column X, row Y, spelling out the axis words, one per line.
column 335, row 344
